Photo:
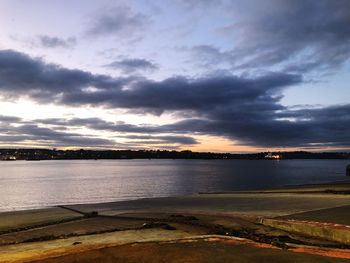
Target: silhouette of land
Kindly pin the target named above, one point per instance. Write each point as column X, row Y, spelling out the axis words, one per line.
column 53, row 154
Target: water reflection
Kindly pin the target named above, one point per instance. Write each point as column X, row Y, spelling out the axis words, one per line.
column 45, row 183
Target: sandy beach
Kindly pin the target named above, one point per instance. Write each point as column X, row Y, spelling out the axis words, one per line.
column 303, row 224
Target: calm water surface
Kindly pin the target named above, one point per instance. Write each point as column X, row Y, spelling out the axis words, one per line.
column 26, row 185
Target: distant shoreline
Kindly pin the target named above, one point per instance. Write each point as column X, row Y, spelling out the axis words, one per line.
column 53, row 154
column 169, row 159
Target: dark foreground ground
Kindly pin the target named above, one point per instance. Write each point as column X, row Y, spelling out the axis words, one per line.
column 200, row 251
column 299, row 224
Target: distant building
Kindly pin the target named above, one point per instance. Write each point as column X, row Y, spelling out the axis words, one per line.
column 273, row 156
column 10, row 158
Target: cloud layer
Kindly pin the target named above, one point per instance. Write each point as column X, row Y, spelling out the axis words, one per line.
column 237, row 66
column 131, row 65
column 119, row 21
column 297, row 35
column 243, row 109
column 56, row 42
column 21, row 75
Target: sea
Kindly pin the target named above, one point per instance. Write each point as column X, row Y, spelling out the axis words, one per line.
column 38, row 184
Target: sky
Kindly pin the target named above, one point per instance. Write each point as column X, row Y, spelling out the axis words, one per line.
column 221, row 76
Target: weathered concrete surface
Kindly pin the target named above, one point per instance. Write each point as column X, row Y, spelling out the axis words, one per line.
column 336, row 215
column 337, row 187
column 83, row 226
column 259, row 204
column 331, row 224
column 332, row 232
column 20, row 219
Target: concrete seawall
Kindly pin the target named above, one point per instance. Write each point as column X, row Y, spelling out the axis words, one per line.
column 328, row 231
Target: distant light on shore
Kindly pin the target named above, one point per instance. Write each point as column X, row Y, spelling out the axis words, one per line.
column 273, row 156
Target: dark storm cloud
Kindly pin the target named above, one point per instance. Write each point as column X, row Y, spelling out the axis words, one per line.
column 6, row 119
column 309, row 128
column 121, row 127
column 298, row 35
column 56, row 42
column 16, row 130
column 99, row 124
column 24, row 76
column 244, row 109
column 181, row 93
column 117, row 21
column 326, row 126
column 183, row 140
column 21, row 75
column 131, row 65
column 22, row 132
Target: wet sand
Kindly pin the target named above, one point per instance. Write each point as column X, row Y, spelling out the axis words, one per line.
column 219, row 227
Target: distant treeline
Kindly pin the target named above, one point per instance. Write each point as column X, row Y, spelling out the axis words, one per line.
column 53, row 154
